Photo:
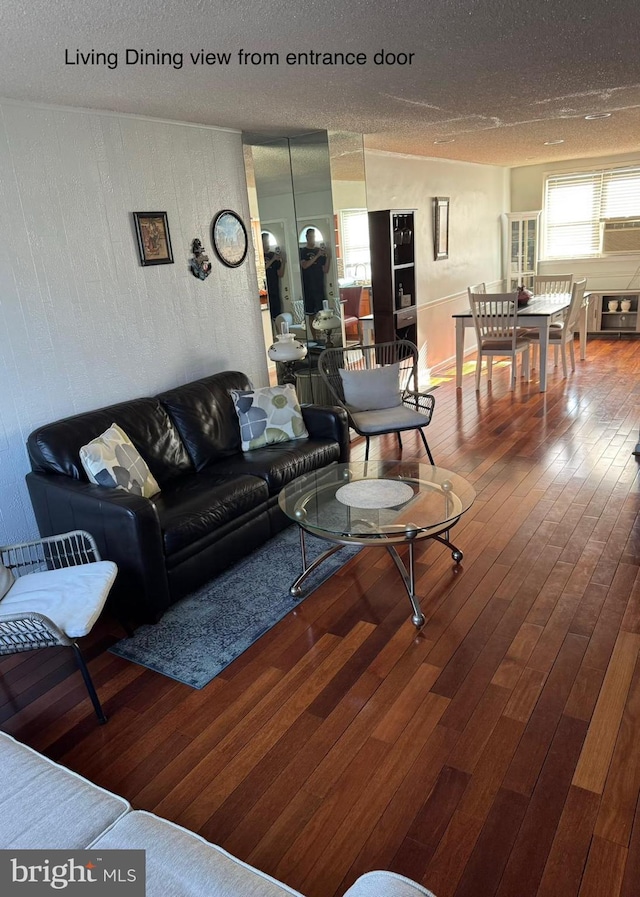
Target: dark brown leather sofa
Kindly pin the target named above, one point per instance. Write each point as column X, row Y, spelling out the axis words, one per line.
column 216, row 503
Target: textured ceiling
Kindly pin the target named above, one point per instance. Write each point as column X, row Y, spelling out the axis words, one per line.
column 497, row 78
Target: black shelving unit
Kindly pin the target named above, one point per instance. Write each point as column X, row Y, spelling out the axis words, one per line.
column 393, row 274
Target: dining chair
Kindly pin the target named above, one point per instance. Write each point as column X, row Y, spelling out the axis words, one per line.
column 551, row 285
column 548, row 285
column 497, row 332
column 299, row 319
column 377, row 385
column 285, row 317
column 351, row 297
column 562, row 333
column 477, row 288
column 52, row 591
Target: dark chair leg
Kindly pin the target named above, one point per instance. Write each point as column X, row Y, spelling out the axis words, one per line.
column 399, row 440
column 426, row 445
column 97, row 706
column 366, row 451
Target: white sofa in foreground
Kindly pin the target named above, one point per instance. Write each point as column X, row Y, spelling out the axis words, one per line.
column 46, row 806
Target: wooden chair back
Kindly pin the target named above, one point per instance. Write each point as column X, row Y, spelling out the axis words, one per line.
column 549, row 285
column 351, row 297
column 572, row 322
column 494, row 317
column 477, row 288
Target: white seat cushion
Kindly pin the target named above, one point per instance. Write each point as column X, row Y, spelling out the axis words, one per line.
column 72, row 597
column 182, row 864
column 389, row 884
column 45, row 806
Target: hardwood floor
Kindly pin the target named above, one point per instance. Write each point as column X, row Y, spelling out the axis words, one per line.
column 496, row 752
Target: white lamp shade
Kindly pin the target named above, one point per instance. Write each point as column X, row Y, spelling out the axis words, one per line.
column 287, row 348
column 326, row 320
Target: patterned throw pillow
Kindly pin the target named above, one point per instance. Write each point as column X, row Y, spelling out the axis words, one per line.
column 112, row 460
column 268, row 415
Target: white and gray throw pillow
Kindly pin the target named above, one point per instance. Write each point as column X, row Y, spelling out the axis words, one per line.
column 112, row 460
column 372, row 390
column 268, row 415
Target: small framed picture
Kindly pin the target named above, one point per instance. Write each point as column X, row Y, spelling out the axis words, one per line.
column 154, row 242
column 229, row 238
column 441, row 228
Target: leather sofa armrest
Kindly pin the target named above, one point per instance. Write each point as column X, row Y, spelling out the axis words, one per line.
column 126, row 530
column 328, row 422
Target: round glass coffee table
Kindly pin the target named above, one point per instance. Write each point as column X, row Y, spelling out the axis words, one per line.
column 377, row 503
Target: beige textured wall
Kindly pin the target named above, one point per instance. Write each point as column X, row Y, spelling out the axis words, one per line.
column 83, row 324
column 478, row 195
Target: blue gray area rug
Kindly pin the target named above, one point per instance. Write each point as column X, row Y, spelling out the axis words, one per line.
column 204, row 632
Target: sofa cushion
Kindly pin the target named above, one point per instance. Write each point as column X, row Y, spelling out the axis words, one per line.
column 113, row 461
column 55, row 448
column 193, row 508
column 389, row 884
column 43, row 805
column 281, row 463
column 204, row 415
column 182, row 864
column 269, row 415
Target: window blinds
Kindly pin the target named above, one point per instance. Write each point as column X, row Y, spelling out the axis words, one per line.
column 354, row 226
column 575, row 204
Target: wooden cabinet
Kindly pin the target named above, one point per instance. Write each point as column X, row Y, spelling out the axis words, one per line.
column 614, row 313
column 393, row 275
column 522, row 233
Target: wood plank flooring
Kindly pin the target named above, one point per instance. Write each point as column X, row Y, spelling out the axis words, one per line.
column 494, row 754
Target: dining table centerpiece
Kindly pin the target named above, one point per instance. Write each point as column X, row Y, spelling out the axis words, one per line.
column 524, row 295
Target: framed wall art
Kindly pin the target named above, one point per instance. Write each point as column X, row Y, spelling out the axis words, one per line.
column 229, row 238
column 441, row 227
column 154, row 242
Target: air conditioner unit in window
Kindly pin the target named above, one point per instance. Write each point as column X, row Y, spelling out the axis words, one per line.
column 621, row 235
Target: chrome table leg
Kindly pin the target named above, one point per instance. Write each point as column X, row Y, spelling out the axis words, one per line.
column 409, row 580
column 296, row 588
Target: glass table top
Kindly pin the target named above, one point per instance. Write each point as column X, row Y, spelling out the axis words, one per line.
column 392, row 500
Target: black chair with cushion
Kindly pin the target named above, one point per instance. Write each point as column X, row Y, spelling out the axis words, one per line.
column 377, row 385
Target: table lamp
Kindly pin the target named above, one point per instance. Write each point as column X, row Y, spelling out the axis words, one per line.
column 326, row 321
column 286, row 351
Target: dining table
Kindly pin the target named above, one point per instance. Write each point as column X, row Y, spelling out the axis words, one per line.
column 540, row 312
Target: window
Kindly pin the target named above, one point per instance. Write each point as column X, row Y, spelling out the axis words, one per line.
column 576, row 204
column 354, row 228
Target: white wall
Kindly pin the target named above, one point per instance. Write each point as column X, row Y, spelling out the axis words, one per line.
column 348, row 194
column 618, row 272
column 83, row 324
column 478, row 195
